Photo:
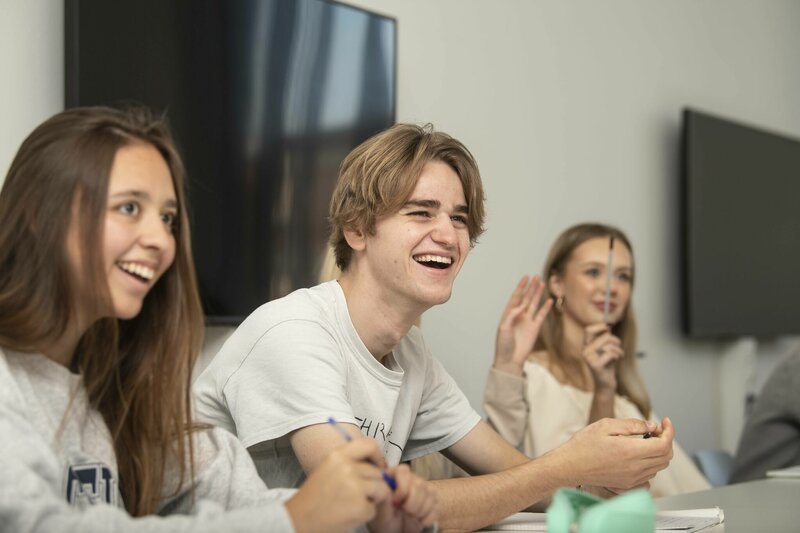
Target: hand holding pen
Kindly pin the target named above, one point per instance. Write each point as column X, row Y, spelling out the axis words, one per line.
column 343, row 492
column 412, row 506
column 346, row 436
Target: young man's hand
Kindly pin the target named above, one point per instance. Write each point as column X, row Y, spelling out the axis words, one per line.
column 409, row 508
column 612, row 453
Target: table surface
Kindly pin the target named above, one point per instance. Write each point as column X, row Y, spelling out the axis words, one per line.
column 764, row 506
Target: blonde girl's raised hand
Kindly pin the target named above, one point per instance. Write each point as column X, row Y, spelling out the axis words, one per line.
column 343, row 492
column 601, row 351
column 520, row 324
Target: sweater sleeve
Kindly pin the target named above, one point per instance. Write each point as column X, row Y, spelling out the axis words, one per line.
column 505, row 405
column 227, row 497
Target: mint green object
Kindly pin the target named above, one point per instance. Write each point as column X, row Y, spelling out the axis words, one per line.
column 575, row 511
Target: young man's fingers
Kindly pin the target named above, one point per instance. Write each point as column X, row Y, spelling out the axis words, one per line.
column 626, row 426
column 402, row 475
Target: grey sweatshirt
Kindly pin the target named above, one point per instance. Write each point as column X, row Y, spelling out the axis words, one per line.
column 58, row 471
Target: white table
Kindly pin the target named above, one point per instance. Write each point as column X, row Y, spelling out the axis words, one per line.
column 765, row 506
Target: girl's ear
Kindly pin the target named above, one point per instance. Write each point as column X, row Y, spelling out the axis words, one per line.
column 556, row 285
column 355, row 239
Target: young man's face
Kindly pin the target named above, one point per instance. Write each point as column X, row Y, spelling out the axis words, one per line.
column 417, row 252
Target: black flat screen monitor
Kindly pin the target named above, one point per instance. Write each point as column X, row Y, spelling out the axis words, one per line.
column 265, row 98
column 741, row 207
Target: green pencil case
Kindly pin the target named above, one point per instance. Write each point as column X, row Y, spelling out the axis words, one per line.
column 575, row 511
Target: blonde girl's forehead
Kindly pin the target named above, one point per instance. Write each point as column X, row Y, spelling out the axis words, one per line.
column 595, row 250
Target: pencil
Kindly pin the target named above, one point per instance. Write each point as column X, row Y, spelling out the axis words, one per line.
column 609, row 269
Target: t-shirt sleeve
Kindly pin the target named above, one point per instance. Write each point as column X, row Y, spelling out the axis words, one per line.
column 293, row 377
column 445, row 415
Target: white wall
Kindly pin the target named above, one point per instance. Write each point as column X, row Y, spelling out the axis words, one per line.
column 572, row 109
column 31, row 69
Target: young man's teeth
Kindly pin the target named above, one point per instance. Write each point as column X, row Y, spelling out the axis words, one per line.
column 136, row 269
column 434, row 259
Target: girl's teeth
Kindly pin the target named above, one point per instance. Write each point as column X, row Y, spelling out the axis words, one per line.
column 142, row 271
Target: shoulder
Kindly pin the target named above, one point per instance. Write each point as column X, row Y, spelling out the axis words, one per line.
column 542, row 365
column 292, row 317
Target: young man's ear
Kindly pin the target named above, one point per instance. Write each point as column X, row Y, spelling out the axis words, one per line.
column 355, row 239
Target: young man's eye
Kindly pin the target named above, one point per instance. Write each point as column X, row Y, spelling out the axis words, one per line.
column 459, row 219
column 423, row 214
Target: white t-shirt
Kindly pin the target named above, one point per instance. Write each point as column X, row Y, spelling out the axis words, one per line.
column 298, row 360
column 58, row 468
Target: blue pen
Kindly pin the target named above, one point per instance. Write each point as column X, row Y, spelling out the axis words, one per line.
column 346, row 436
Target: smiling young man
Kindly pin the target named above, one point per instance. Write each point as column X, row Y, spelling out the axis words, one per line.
column 408, row 207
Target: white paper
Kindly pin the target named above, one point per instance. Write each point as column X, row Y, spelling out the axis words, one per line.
column 792, row 471
column 684, row 521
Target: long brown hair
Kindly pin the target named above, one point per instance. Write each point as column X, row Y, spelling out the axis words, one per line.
column 551, row 338
column 136, row 372
column 380, row 175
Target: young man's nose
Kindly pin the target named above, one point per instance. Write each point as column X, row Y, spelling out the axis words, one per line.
column 444, row 231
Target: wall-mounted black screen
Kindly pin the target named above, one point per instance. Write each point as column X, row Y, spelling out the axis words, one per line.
column 741, row 203
column 265, row 98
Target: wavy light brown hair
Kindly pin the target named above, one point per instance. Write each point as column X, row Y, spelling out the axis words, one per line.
column 551, row 337
column 136, row 372
column 378, row 177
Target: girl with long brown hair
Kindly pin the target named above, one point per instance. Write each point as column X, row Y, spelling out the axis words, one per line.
column 572, row 360
column 100, row 323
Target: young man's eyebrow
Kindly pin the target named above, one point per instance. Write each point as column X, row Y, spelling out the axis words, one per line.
column 434, row 204
column 429, row 204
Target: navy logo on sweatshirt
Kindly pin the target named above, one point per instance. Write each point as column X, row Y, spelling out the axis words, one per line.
column 90, row 484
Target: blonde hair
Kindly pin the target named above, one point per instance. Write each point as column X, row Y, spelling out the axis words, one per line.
column 136, row 372
column 551, row 338
column 379, row 176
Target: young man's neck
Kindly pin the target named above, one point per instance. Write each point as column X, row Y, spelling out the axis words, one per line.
column 380, row 321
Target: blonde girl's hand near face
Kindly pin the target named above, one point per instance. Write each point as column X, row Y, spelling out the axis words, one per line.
column 519, row 325
column 601, row 352
column 343, row 492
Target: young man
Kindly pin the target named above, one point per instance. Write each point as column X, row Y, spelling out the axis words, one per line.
column 408, row 207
